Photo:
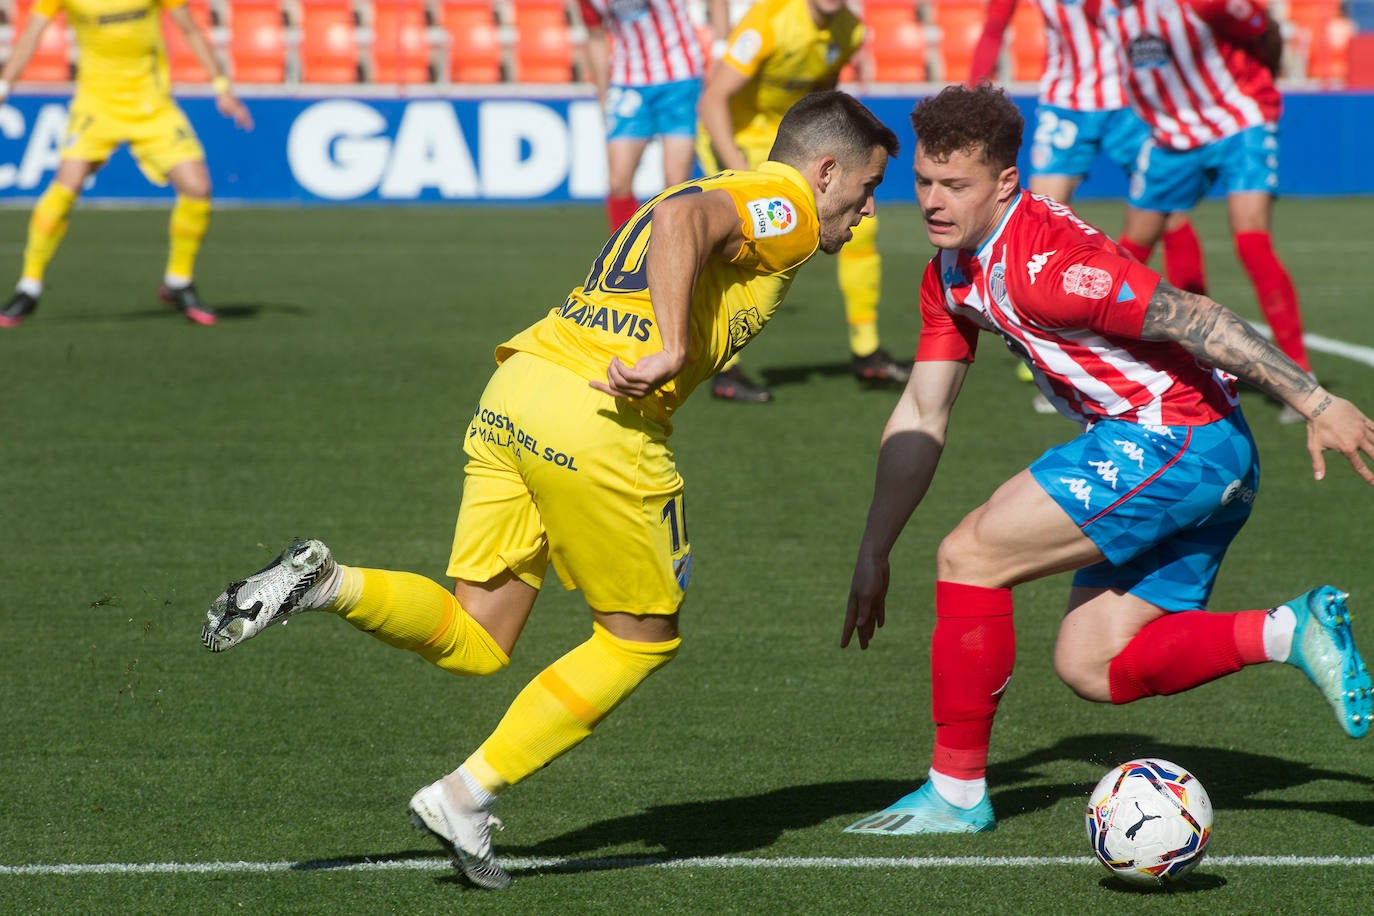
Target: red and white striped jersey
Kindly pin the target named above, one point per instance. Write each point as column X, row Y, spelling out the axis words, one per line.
column 1189, row 68
column 1082, row 68
column 651, row 41
column 1068, row 301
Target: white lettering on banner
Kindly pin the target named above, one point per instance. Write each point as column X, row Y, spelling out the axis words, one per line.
column 335, row 150
column 509, row 131
column 430, row 152
column 43, row 150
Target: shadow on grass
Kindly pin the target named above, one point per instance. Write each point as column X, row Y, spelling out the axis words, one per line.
column 782, row 376
column 751, row 823
column 1232, row 778
column 229, row 311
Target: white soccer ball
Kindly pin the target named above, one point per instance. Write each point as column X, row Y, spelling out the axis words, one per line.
column 1149, row 821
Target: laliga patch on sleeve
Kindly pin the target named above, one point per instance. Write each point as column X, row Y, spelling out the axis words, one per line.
column 771, row 216
column 1088, row 282
column 746, row 46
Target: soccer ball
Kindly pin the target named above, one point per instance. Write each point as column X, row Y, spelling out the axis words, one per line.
column 1149, row 821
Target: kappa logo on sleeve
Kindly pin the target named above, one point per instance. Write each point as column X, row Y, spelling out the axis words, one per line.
column 771, row 216
column 1088, row 282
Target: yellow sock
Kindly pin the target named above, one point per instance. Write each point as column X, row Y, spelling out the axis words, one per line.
column 47, row 226
column 186, row 228
column 561, row 706
column 416, row 613
column 861, row 282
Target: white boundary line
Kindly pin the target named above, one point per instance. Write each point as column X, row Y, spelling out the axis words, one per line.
column 605, row 864
column 1351, row 351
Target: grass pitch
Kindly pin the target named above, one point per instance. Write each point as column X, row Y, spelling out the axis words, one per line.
column 148, row 461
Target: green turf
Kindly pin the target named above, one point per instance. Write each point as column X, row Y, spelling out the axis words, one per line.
column 148, row 461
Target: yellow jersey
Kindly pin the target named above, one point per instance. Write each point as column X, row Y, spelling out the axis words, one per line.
column 123, row 61
column 611, row 313
column 785, row 56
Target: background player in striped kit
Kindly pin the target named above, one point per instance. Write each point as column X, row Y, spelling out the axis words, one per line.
column 1201, row 74
column 1143, row 504
column 647, row 64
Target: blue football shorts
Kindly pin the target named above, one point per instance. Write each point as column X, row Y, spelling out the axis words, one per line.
column 1162, row 503
column 643, row 112
column 1067, row 142
column 1169, row 181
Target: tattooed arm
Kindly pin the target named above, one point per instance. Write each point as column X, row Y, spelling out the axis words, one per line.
column 1220, row 338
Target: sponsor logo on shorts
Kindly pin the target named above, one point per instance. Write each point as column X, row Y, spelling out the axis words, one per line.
column 1037, row 263
column 771, row 216
column 1088, row 282
column 1235, row 490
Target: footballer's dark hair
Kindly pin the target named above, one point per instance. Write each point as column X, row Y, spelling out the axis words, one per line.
column 830, row 123
column 958, row 119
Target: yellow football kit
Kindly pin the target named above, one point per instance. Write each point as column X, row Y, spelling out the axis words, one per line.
column 560, row 472
column 779, row 48
column 123, row 87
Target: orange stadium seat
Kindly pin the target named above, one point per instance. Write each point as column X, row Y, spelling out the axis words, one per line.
column 895, row 42
column 51, row 62
column 960, row 23
column 329, row 42
column 182, row 62
column 1329, row 56
column 1027, row 43
column 475, row 51
column 400, row 42
column 543, row 41
column 257, row 41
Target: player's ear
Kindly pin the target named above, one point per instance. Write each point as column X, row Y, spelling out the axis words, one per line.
column 827, row 170
column 1008, row 183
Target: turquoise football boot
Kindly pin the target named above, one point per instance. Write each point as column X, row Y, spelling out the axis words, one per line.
column 1324, row 649
column 926, row 812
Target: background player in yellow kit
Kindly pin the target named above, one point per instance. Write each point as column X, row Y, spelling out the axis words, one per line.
column 123, row 95
column 569, row 461
column 778, row 52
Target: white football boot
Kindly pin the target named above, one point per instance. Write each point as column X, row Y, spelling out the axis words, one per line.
column 304, row 578
column 465, row 834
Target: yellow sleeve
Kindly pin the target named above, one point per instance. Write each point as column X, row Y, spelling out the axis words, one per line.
column 47, row 8
column 752, row 41
column 780, row 231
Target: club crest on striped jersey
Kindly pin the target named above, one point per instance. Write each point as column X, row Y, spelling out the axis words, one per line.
column 997, row 282
column 772, row 216
column 1088, row 282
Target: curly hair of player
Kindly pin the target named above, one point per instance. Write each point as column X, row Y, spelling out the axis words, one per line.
column 961, row 119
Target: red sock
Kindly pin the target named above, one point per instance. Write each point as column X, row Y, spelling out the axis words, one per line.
column 1183, row 265
column 972, row 653
column 1179, row 651
column 1136, row 250
column 619, row 209
column 1278, row 300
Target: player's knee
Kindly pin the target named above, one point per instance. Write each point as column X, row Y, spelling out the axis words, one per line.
column 959, row 559
column 1084, row 678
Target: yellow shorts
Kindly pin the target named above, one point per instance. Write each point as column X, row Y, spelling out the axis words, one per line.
column 558, row 471
column 159, row 139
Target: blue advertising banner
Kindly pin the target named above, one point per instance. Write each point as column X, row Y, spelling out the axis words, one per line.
column 511, row 149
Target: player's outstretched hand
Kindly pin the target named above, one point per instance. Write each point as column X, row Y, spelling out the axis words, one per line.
column 230, row 106
column 1339, row 425
column 640, row 380
column 867, row 600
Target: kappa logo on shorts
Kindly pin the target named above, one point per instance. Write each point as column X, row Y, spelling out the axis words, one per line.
column 1088, row 282
column 1131, row 451
column 1080, row 488
column 1107, row 470
column 772, row 216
